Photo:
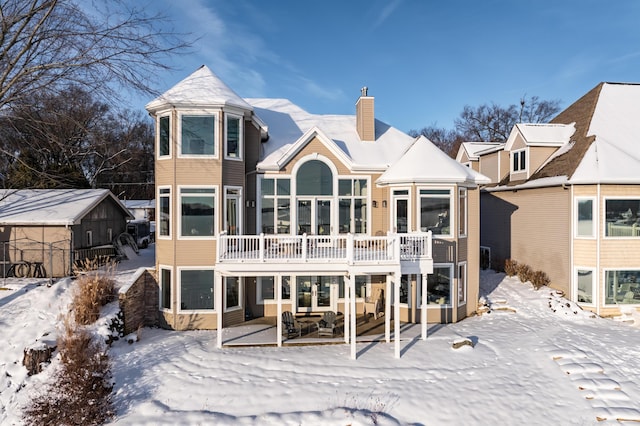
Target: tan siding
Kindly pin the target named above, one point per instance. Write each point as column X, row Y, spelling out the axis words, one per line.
column 380, row 215
column 538, row 155
column 475, row 165
column 585, row 252
column 518, row 143
column 531, row 226
column 618, row 253
column 195, row 252
column 504, row 164
column 489, row 166
column 473, row 254
column 313, row 147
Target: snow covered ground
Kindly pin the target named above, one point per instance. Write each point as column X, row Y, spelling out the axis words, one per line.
column 534, row 361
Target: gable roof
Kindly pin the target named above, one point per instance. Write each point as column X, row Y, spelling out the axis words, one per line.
column 63, row 207
column 290, row 127
column 474, row 149
column 200, row 89
column 541, row 134
column 424, row 162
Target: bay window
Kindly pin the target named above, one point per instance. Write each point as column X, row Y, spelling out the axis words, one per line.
column 435, row 211
column 622, row 287
column 584, row 217
column 197, row 135
column 233, row 137
column 622, row 217
column 164, row 210
column 164, row 141
column 197, row 212
column 196, row 289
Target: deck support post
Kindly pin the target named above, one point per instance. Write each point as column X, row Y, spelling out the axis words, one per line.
column 387, row 310
column 396, row 312
column 279, row 309
column 354, row 315
column 423, row 310
column 217, row 291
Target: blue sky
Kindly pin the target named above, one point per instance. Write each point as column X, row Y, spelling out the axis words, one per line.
column 423, row 60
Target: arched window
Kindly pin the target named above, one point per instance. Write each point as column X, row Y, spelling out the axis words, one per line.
column 314, row 178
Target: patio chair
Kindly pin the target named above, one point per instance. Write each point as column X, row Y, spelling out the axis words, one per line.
column 327, row 325
column 290, row 327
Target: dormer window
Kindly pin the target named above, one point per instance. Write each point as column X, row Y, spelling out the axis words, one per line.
column 519, row 161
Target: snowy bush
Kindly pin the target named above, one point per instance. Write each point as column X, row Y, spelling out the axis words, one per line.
column 510, row 267
column 92, row 292
column 80, row 393
column 525, row 273
column 540, row 279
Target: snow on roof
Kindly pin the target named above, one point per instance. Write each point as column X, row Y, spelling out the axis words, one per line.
column 426, row 163
column 49, row 206
column 201, row 89
column 606, row 162
column 288, row 123
column 546, row 133
column 473, row 149
column 139, row 204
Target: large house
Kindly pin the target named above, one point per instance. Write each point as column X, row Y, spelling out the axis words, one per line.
column 263, row 207
column 564, row 198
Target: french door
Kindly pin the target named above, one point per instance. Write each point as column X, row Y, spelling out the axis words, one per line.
column 314, row 293
column 314, row 216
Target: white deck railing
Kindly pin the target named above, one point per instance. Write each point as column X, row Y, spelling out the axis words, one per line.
column 345, row 248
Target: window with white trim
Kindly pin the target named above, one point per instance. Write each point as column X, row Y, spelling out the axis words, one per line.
column 164, row 140
column 363, row 284
column 622, row 287
column 435, row 211
column 275, row 205
column 519, row 160
column 584, row 220
column 267, row 289
column 584, row 285
column 164, row 210
column 165, row 288
column 462, row 212
column 622, row 217
column 405, row 287
column 232, row 291
column 233, row 137
column 197, row 290
column 352, row 202
column 197, row 135
column 197, row 211
column 462, row 283
column 439, row 285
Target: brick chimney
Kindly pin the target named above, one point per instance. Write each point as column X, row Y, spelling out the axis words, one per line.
column 365, row 118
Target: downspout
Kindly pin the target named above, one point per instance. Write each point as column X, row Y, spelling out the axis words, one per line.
column 172, row 210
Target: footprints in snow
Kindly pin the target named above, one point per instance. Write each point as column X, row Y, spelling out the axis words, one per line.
column 605, row 394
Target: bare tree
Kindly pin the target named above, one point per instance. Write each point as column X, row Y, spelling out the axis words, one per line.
column 103, row 47
column 493, row 123
column 447, row 140
column 72, row 140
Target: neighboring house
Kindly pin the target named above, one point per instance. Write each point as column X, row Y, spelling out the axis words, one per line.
column 568, row 201
column 264, row 207
column 43, row 231
column 141, row 209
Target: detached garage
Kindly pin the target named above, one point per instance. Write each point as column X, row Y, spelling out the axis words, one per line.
column 44, row 231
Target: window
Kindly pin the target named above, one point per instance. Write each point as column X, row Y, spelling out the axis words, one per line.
column 435, row 211
column 462, row 284
column 197, row 135
column 164, row 142
column 233, row 137
column 89, row 240
column 622, row 217
column 584, row 217
column 275, row 205
column 232, row 293
column 267, row 285
column 314, row 178
column 362, row 282
column 519, row 161
column 584, row 284
column 109, row 234
column 165, row 288
column 404, row 289
column 462, row 212
column 439, row 286
column 622, row 287
column 164, row 208
column 197, row 212
column 233, row 210
column 196, row 289
column 352, row 202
